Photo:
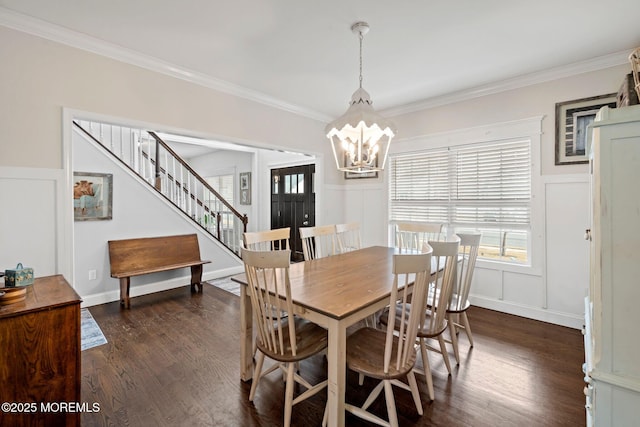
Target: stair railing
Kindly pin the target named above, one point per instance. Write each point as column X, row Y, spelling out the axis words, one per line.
column 147, row 155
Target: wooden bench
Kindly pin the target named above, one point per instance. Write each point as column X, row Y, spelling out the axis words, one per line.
column 135, row 257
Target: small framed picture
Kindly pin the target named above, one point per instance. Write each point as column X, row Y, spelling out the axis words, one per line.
column 92, row 196
column 572, row 120
column 245, row 188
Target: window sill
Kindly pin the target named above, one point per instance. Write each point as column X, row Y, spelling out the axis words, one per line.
column 508, row 267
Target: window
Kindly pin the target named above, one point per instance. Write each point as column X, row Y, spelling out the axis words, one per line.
column 294, row 183
column 483, row 187
column 223, row 184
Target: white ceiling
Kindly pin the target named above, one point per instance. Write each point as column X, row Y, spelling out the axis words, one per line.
column 303, row 56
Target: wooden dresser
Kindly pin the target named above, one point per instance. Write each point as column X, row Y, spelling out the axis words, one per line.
column 40, row 356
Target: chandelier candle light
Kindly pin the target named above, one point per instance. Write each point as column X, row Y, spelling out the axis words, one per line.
column 360, row 138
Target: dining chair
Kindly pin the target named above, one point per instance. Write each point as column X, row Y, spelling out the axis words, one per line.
column 459, row 303
column 269, row 240
column 348, row 236
column 281, row 336
column 434, row 322
column 318, row 242
column 413, row 235
column 389, row 355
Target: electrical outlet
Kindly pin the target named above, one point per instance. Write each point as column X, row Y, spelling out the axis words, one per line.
column 92, row 275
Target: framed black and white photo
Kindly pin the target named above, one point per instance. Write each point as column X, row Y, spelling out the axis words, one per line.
column 572, row 121
column 245, row 188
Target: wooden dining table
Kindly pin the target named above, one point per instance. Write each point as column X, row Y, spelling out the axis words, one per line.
column 334, row 292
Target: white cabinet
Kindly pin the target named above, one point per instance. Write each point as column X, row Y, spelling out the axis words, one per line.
column 612, row 324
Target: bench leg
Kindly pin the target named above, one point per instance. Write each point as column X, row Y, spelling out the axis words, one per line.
column 124, row 291
column 196, row 278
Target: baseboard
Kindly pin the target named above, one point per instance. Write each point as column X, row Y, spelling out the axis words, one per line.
column 111, row 296
column 569, row 320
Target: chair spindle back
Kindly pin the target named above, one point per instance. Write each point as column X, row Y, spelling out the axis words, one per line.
column 411, row 236
column 444, row 268
column 269, row 240
column 318, row 242
column 348, row 236
column 407, row 269
column 468, row 253
column 270, row 291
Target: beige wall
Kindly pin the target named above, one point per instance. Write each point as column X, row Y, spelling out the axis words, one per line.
column 535, row 100
column 39, row 77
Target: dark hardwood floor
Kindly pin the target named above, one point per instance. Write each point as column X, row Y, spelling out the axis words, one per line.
column 172, row 360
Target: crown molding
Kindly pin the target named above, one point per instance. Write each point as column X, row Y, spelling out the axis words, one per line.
column 593, row 64
column 37, row 27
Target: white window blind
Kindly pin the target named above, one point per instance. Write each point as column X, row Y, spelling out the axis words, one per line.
column 420, row 186
column 491, row 185
column 483, row 186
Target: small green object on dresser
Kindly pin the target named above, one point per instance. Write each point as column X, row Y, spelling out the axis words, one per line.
column 19, row 276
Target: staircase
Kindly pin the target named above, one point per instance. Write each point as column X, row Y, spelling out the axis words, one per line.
column 144, row 153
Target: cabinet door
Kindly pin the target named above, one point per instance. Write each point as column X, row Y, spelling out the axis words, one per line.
column 620, row 258
column 41, row 365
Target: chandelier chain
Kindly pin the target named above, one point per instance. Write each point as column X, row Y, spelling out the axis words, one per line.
column 361, row 37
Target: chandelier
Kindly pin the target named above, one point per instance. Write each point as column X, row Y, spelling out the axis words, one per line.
column 360, row 138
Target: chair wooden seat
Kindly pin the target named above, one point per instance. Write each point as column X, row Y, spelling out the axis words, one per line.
column 423, row 331
column 456, row 306
column 310, row 339
column 365, row 354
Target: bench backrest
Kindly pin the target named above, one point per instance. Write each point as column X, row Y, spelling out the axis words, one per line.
column 152, row 253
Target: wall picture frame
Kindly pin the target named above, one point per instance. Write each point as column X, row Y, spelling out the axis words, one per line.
column 572, row 121
column 92, row 196
column 245, row 188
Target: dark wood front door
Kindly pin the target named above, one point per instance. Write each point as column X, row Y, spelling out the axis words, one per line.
column 293, row 202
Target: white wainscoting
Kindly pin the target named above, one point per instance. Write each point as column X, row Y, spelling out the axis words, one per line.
column 33, row 220
column 557, row 295
column 365, row 204
column 567, row 254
